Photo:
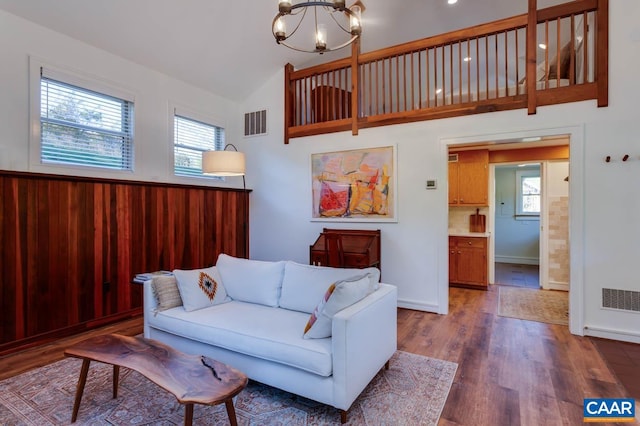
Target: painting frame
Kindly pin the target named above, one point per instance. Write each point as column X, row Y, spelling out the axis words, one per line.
column 355, row 185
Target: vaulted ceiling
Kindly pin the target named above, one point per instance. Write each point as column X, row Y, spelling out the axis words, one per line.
column 226, row 47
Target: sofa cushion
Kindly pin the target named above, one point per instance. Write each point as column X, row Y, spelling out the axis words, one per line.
column 339, row 295
column 303, row 286
column 270, row 333
column 200, row 288
column 252, row 281
column 165, row 289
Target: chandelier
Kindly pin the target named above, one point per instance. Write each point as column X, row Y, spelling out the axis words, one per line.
column 322, row 15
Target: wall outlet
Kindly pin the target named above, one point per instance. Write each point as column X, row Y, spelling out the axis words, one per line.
column 431, row 184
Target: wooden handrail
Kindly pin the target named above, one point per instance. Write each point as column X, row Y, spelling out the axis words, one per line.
column 432, row 77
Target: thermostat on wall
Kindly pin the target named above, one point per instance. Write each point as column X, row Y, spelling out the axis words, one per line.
column 431, row 184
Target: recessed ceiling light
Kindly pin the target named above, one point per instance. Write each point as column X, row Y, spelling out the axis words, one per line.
column 452, row 1
column 467, row 59
column 542, row 46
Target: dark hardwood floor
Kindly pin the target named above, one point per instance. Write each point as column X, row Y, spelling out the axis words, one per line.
column 19, row 362
column 510, row 371
column 624, row 360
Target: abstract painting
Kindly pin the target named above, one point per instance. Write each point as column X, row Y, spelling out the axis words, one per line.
column 354, row 185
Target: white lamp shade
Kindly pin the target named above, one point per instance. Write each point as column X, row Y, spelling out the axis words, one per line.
column 223, row 163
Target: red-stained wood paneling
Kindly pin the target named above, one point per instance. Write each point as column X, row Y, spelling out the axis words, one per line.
column 71, row 246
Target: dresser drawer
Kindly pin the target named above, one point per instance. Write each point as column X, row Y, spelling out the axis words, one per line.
column 356, row 260
column 475, row 242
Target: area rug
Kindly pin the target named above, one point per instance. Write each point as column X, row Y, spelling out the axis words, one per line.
column 548, row 306
column 412, row 392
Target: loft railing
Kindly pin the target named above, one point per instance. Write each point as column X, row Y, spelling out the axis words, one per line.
column 548, row 56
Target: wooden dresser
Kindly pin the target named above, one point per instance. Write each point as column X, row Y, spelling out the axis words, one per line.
column 361, row 248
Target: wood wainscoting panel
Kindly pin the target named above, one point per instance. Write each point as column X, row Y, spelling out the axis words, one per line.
column 71, row 246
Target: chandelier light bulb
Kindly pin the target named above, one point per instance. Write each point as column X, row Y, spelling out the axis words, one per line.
column 354, row 20
column 321, row 37
column 281, row 29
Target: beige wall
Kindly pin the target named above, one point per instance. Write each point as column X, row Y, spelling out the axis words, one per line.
column 558, row 240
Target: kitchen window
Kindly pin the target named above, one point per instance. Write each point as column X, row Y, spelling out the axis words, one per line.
column 528, row 194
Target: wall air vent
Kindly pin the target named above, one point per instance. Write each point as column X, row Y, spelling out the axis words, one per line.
column 255, row 123
column 625, row 300
column 453, row 158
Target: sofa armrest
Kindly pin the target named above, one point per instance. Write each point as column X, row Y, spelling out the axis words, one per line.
column 364, row 337
column 149, row 304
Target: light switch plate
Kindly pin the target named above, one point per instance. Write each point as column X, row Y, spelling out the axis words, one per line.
column 431, row 184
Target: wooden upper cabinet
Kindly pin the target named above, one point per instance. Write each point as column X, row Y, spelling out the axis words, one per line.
column 469, row 178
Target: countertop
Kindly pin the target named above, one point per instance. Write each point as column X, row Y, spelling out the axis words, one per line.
column 469, row 234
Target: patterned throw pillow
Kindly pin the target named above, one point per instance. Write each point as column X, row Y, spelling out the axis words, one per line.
column 200, row 288
column 339, row 295
column 165, row 288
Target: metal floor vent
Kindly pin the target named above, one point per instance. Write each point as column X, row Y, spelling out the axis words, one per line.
column 625, row 300
column 255, row 123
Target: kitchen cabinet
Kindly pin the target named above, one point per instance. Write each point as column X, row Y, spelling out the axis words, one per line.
column 468, row 262
column 469, row 178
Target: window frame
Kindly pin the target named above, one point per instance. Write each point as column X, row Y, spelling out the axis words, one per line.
column 187, row 113
column 520, row 175
column 38, row 68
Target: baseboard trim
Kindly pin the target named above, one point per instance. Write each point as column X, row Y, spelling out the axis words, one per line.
column 555, row 285
column 517, row 259
column 418, row 306
column 605, row 333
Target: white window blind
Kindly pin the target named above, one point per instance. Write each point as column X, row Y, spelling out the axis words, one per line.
column 83, row 127
column 191, row 138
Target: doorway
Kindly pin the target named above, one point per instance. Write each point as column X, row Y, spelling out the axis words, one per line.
column 575, row 137
column 534, row 202
column 517, row 199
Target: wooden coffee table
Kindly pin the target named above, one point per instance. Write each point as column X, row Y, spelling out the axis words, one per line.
column 191, row 379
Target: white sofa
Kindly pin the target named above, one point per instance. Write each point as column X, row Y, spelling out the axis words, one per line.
column 259, row 328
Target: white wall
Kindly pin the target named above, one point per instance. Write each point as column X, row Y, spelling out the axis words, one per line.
column 605, row 197
column 516, row 240
column 556, row 185
column 20, row 40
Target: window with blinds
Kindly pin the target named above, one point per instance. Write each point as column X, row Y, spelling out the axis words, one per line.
column 85, row 128
column 191, row 138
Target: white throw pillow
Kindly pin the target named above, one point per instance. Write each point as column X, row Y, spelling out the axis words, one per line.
column 339, row 295
column 200, row 288
column 252, row 281
column 304, row 285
